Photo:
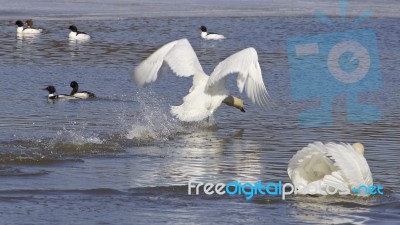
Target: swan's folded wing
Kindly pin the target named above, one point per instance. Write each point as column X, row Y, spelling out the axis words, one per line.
column 309, row 164
column 352, row 164
column 180, row 57
column 245, row 63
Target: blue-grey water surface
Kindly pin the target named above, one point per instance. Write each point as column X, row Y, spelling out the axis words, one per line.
column 122, row 159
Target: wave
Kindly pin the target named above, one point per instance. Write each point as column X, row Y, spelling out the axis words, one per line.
column 10, row 171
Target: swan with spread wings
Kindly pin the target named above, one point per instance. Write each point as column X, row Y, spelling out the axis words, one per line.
column 207, row 92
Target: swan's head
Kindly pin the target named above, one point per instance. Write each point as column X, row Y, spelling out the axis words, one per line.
column 359, row 147
column 235, row 102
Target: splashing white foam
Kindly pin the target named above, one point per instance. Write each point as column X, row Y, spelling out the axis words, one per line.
column 154, row 121
column 79, row 136
column 79, row 139
column 140, row 132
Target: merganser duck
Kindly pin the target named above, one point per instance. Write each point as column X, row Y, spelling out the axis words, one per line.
column 29, row 23
column 28, row 30
column 54, row 96
column 210, row 36
column 80, row 94
column 207, row 92
column 77, row 35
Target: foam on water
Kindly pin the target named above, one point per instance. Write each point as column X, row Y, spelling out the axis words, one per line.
column 78, row 137
column 154, row 120
column 141, row 132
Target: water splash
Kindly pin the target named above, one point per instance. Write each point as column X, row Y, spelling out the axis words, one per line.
column 78, row 135
column 154, row 120
column 141, row 132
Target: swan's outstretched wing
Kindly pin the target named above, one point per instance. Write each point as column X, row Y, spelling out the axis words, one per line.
column 180, row 57
column 245, row 63
column 309, row 164
column 352, row 164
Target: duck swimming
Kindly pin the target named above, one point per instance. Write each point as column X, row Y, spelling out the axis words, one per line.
column 80, row 94
column 210, row 36
column 28, row 30
column 54, row 96
column 77, row 35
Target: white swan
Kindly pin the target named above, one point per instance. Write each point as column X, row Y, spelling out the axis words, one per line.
column 330, row 166
column 207, row 92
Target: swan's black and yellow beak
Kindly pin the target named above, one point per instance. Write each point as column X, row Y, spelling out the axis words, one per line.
column 242, row 109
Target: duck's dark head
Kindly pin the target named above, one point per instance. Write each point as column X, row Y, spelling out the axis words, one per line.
column 19, row 23
column 74, row 84
column 50, row 89
column 203, row 29
column 73, row 28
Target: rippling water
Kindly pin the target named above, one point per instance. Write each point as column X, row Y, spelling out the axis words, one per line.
column 122, row 159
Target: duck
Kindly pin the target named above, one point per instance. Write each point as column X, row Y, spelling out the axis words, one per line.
column 207, row 92
column 80, row 94
column 54, row 96
column 330, row 166
column 210, row 36
column 28, row 30
column 29, row 23
column 77, row 35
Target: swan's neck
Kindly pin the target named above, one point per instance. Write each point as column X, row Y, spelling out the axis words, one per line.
column 234, row 102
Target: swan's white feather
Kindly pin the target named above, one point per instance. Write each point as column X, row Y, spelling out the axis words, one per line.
column 309, row 164
column 180, row 57
column 200, row 103
column 193, row 107
column 335, row 165
column 351, row 163
column 336, row 179
column 245, row 64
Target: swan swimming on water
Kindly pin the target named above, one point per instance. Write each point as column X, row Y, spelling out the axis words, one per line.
column 207, row 92
column 329, row 166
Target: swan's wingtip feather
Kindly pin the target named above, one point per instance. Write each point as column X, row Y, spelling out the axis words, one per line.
column 176, row 54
